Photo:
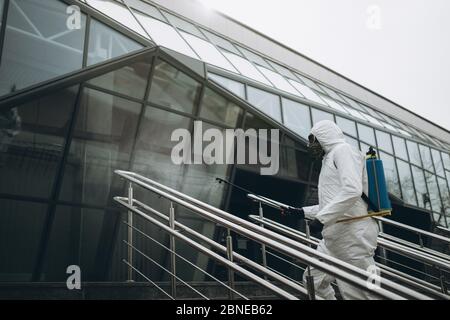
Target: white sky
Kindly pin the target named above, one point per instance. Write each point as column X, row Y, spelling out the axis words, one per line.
column 407, row 59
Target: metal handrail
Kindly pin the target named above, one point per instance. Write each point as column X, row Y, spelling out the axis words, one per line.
column 337, row 268
column 414, row 230
column 124, row 202
column 237, row 257
column 300, row 236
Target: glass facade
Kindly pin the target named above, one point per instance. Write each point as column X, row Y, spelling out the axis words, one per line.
column 59, row 149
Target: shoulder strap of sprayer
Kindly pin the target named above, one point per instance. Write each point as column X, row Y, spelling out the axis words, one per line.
column 366, row 199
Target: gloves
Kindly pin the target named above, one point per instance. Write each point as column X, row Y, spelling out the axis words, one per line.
column 297, row 212
column 315, row 226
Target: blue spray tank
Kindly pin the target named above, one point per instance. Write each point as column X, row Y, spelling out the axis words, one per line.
column 378, row 193
column 377, row 201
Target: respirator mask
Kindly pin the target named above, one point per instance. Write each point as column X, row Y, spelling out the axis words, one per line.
column 314, row 148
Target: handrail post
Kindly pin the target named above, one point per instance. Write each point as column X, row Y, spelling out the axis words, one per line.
column 130, row 233
column 442, row 282
column 173, row 281
column 263, row 246
column 309, row 277
column 420, row 240
column 230, row 272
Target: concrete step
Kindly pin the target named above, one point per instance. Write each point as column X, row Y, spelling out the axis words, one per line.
column 126, row 291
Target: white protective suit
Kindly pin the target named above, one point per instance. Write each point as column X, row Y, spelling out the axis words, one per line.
column 342, row 180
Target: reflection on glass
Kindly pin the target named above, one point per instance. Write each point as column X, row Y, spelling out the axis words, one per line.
column 35, row 50
column 352, row 141
column 216, row 108
column 384, row 141
column 446, row 160
column 236, row 87
column 282, row 70
column 373, row 120
column 183, row 25
column 2, row 3
column 164, row 35
column 118, row 13
column 347, row 126
column 366, row 134
column 400, row 148
column 357, row 114
column 20, row 232
column 145, row 7
column 426, row 158
column 307, row 92
column 106, row 43
column 421, row 188
column 434, row 192
column 406, row 182
column 102, row 142
column 297, row 117
column 333, row 104
column 207, row 52
column 266, row 102
column 390, row 172
column 246, row 68
column 130, row 80
column 352, row 103
column 279, row 81
column 173, row 88
column 309, row 83
column 438, row 162
column 254, row 57
column 32, row 140
column 319, row 115
column 414, row 154
column 221, row 42
column 445, row 193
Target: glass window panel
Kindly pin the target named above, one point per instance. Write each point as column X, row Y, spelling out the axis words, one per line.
column 406, row 182
column 106, row 43
column 246, row 68
column 434, row 193
column 388, row 126
column 384, row 141
column 254, row 57
column 404, row 133
column 102, row 142
column 37, row 44
column 414, row 154
column 352, row 141
column 390, row 172
column 445, row 193
column 356, row 114
column 447, row 173
column 32, row 139
column 446, row 159
column 279, row 81
column 332, row 93
column 335, row 105
column 438, row 162
column 366, row 134
column 282, row 70
column 21, row 226
column 2, row 3
column 173, row 88
column 234, row 86
column 165, row 35
column 145, row 7
column 130, row 80
column 183, row 25
column 373, row 120
column 309, row 83
column 216, row 108
column 208, row 52
column 347, row 126
column 297, row 117
column 372, row 112
column 426, row 158
column 352, row 103
column 221, row 42
column 400, row 147
column 307, row 92
column 319, row 115
column 266, row 102
column 119, row 13
column 421, row 188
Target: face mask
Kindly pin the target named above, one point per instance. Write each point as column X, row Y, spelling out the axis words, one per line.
column 314, row 147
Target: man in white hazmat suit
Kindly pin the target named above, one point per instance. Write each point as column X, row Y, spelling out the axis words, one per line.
column 342, row 180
